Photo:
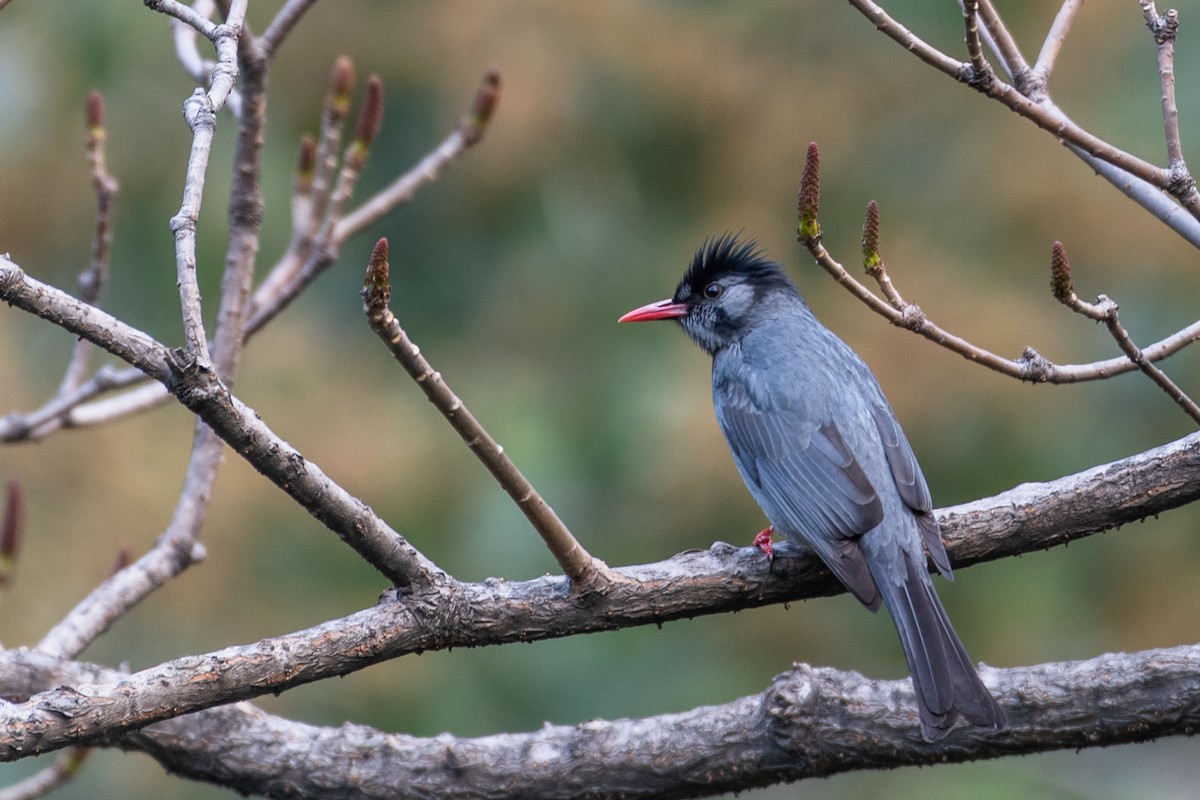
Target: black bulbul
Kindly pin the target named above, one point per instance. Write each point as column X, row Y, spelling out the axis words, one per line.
column 820, row 450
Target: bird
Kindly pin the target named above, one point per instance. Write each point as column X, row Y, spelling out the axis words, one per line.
column 822, row 453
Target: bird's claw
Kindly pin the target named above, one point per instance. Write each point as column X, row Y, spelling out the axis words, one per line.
column 763, row 542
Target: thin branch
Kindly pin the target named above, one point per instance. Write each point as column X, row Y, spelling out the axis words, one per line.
column 177, row 547
column 1035, row 112
column 275, row 294
column 1105, row 310
column 1001, row 41
column 1031, row 366
column 61, row 409
column 199, row 68
column 979, row 64
column 245, row 214
column 584, row 571
column 469, row 132
column 91, row 280
column 11, row 532
column 1146, row 195
column 895, row 31
column 186, row 15
column 201, row 118
column 144, row 395
column 1164, row 27
column 313, row 247
column 329, row 145
column 1056, row 37
column 285, row 20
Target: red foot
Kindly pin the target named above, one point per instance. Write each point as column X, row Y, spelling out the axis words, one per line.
column 763, row 542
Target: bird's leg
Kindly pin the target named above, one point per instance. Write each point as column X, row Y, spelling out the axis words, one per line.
column 763, row 542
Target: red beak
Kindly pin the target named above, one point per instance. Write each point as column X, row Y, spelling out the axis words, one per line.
column 663, row 309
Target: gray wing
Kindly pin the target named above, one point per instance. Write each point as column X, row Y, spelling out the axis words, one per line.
column 911, row 483
column 807, row 481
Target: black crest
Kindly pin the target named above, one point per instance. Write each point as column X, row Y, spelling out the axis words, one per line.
column 728, row 255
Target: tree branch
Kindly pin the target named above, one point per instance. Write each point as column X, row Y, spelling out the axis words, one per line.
column 585, row 572
column 449, row 614
column 810, row 722
column 1029, row 100
column 1031, row 366
column 202, row 392
column 1106, row 310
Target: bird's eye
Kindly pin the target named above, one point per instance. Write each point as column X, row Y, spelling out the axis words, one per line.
column 713, row 291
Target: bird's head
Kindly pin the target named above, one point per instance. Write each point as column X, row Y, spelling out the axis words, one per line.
column 721, row 295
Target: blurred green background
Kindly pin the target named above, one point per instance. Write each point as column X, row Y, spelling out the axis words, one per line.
column 627, row 132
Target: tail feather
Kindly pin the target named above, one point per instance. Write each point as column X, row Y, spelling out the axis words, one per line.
column 944, row 679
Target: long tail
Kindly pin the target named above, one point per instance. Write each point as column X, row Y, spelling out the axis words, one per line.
column 944, row 679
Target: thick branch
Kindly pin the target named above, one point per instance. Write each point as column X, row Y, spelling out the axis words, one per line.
column 444, row 615
column 810, row 722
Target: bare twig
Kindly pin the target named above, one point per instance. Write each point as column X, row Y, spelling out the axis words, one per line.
column 177, row 547
column 329, row 145
column 1164, row 27
column 1055, row 38
column 91, row 280
column 62, row 409
column 1031, row 366
column 1146, row 195
column 187, row 50
column 312, row 253
column 584, row 571
column 312, row 192
column 186, row 15
column 469, row 132
column 73, row 389
column 245, row 214
column 980, row 69
column 200, row 112
column 276, row 293
column 285, row 19
column 1001, row 41
column 370, row 119
column 11, row 530
column 1105, row 310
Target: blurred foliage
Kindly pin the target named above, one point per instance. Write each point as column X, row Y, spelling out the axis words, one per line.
column 627, row 132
